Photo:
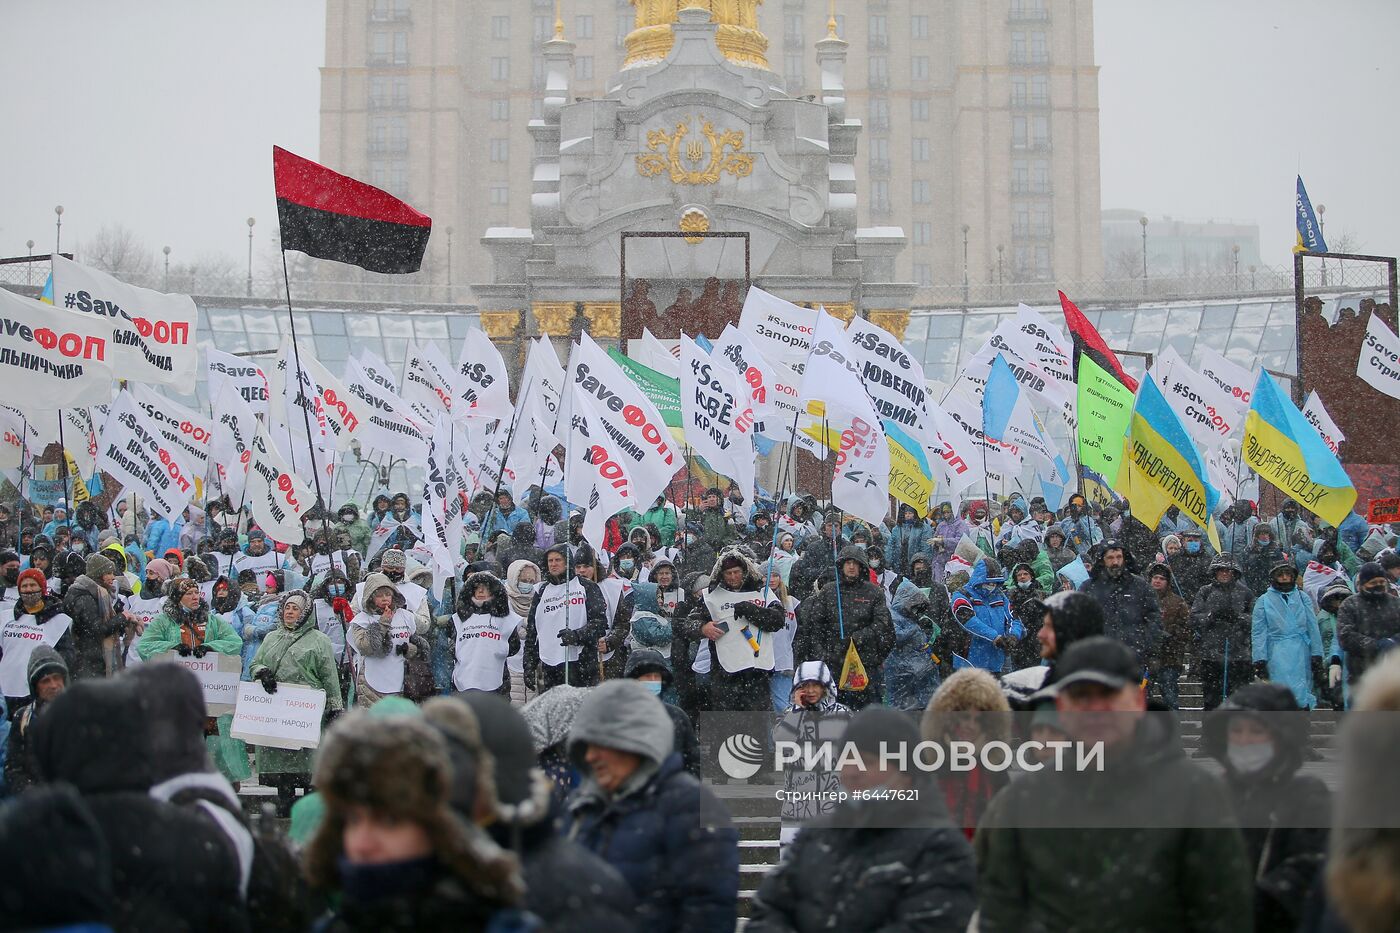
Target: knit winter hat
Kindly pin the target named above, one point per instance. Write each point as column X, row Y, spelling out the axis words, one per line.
column 1370, row 571
column 37, row 576
column 177, row 589
column 300, row 598
column 98, row 566
column 159, row 569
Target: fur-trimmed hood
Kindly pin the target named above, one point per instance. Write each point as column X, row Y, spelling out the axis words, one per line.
column 975, row 695
column 497, row 605
column 753, row 575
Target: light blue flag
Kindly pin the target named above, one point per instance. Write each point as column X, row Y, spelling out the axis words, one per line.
column 1075, row 572
column 704, row 343
column 1309, row 230
column 999, row 399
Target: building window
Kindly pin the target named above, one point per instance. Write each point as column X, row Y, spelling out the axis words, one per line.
column 388, row 91
column 918, row 109
column 792, row 72
column 500, row 69
column 794, row 33
column 879, row 37
column 1040, row 176
column 1040, row 132
column 537, row 80
column 1020, row 218
column 1040, row 219
column 500, row 150
column 385, row 11
column 583, row 27
column 388, row 48
column 880, row 196
column 879, row 115
column 1018, row 48
column 1042, row 262
column 879, row 150
column 500, row 27
column 921, row 149
column 583, row 67
column 389, row 174
column 879, row 72
column 923, row 233
column 1040, row 90
column 920, row 68
column 1019, row 97
column 544, row 28
column 1018, row 132
column 1040, row 49
column 921, row 191
column 500, row 195
column 388, row 135
column 500, row 108
column 1020, row 176
column 923, row 274
column 918, row 27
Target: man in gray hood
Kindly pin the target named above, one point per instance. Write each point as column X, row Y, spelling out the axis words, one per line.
column 641, row 812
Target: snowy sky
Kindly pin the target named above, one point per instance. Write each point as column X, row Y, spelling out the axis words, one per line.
column 161, row 114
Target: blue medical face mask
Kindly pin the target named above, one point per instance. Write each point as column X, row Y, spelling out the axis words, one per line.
column 653, row 685
column 336, row 589
column 626, row 563
column 1193, row 547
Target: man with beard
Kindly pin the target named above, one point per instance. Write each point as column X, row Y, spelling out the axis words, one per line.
column 744, row 687
column 1131, row 612
column 259, row 557
column 1368, row 624
column 567, row 617
column 853, row 610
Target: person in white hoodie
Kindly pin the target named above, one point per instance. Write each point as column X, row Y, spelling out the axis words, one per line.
column 380, row 636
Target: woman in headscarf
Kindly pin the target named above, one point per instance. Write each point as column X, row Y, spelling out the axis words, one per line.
column 522, row 579
column 295, row 653
column 187, row 627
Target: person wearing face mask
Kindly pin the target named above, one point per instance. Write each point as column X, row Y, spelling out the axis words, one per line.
column 259, row 557
column 1285, row 639
column 358, row 528
column 38, row 620
column 621, row 602
column 522, row 579
column 1263, row 556
column 568, row 615
column 382, row 639
column 98, row 623
column 225, row 553
column 331, row 605
column 485, row 632
column 1368, row 624
column 1192, row 566
column 697, row 555
column 1220, row 625
column 295, row 652
column 1026, row 597
column 9, row 577
column 650, row 668
column 1260, row 737
column 884, row 577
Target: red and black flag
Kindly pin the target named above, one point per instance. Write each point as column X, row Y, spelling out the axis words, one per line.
column 1088, row 341
column 332, row 216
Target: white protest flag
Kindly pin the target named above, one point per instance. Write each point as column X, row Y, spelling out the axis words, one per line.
column 625, row 415
column 1234, row 479
column 758, row 374
column 482, row 384
column 1318, row 417
column 544, row 377
column 136, row 454
column 1032, row 337
column 652, row 353
column 861, row 478
column 442, row 505
column 51, row 358
column 1236, row 382
column 1379, row 362
column 965, row 410
column 234, row 427
column 343, row 411
column 278, row 498
column 781, row 330
column 151, row 334
column 1029, row 375
column 1208, row 414
column 894, row 379
column 247, row 378
column 377, row 371
column 492, row 471
column 595, row 469
column 532, row 449
column 388, row 428
column 717, row 415
column 80, row 439
column 954, row 453
column 15, row 450
column 427, row 379
column 184, row 428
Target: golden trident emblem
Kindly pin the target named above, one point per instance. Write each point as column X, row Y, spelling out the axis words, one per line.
column 725, row 155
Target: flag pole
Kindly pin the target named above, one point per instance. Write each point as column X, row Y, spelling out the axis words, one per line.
column 835, row 531
column 306, row 418
column 23, row 450
column 505, row 454
column 63, row 468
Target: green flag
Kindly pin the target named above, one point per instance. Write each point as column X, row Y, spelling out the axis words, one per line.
column 1105, row 407
column 664, row 392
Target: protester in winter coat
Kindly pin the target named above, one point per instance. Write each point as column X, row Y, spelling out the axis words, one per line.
column 47, row 676
column 382, row 637
column 1172, row 653
column 910, row 537
column 97, row 626
column 895, row 864
column 911, row 671
column 1131, row 613
column 36, row 619
column 1026, row 594
column 1147, row 843
column 1259, row 736
column 162, row 535
column 187, row 627
column 1068, row 616
column 1330, row 603
column 641, row 812
column 173, row 867
column 1221, row 613
column 391, row 845
column 1057, row 551
column 568, row 888
column 484, row 634
column 522, row 579
column 359, row 529
column 1078, row 529
column 296, row 652
column 1192, row 566
column 566, row 619
column 1286, row 644
column 747, row 687
column 850, row 611
column 520, row 546
column 1368, row 624
column 1290, row 530
column 650, row 668
column 814, row 719
column 817, row 561
column 662, row 515
column 1363, row 866
column 1263, row 556
column 982, row 610
column 968, row 707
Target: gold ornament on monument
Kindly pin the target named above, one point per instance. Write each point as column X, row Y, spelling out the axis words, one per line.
column 702, row 162
column 738, row 36
column 694, row 221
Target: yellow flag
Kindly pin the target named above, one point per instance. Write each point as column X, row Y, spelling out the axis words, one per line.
column 80, row 490
column 853, row 675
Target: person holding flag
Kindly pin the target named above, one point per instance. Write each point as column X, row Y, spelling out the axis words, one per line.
column 567, row 617
column 845, row 619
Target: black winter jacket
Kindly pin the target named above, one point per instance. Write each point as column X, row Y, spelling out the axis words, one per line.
column 742, row 690
column 1130, row 610
column 843, row 875
column 1366, row 627
column 1221, row 615
column 863, row 612
column 92, row 632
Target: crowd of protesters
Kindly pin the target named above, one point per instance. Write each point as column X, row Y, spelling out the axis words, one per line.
column 524, row 746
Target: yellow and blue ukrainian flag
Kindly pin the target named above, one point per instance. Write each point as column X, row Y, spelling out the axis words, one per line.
column 1163, row 467
column 1286, row 450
